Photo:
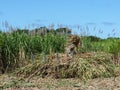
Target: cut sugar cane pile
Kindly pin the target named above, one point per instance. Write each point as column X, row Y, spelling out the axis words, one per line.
column 84, row 66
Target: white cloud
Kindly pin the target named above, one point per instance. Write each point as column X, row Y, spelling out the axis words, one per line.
column 108, row 23
column 90, row 23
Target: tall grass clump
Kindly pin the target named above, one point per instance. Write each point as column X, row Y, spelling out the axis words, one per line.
column 53, row 43
column 17, row 46
column 12, row 44
column 110, row 45
column 114, row 48
column 91, row 43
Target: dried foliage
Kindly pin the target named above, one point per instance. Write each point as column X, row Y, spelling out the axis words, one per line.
column 87, row 66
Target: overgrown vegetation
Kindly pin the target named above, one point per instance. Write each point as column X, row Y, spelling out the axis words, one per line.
column 17, row 48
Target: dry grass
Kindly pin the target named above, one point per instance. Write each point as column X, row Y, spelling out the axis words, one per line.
column 84, row 66
column 36, row 83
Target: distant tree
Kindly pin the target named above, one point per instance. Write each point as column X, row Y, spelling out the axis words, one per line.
column 0, row 31
column 40, row 31
column 63, row 30
column 112, row 38
column 93, row 38
column 45, row 30
column 52, row 31
column 20, row 31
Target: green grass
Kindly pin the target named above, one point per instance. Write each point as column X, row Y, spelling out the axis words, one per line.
column 16, row 46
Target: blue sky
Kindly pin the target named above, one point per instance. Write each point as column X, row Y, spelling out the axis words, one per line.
column 101, row 17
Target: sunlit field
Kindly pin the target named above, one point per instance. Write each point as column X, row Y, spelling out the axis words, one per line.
column 29, row 56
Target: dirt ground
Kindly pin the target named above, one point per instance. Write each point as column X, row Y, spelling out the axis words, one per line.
column 8, row 82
